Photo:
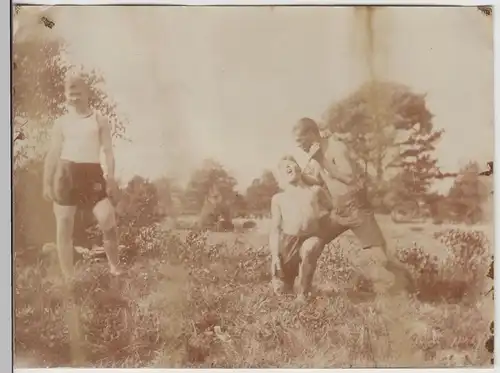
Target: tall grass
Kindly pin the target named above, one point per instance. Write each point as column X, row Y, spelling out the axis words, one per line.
column 188, row 303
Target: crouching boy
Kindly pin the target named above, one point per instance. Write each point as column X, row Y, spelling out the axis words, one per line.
column 298, row 214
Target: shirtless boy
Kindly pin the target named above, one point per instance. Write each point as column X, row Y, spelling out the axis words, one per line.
column 73, row 176
column 330, row 165
column 296, row 219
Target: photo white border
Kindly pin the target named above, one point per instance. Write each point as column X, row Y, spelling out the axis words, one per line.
column 6, row 363
column 347, row 370
column 6, row 337
column 263, row 2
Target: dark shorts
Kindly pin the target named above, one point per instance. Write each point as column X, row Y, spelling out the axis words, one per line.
column 353, row 212
column 79, row 184
column 290, row 256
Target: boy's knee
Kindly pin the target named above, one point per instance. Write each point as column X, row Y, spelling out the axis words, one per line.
column 109, row 234
column 107, row 222
column 64, row 215
column 311, row 248
column 105, row 215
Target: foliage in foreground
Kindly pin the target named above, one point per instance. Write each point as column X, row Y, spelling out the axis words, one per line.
column 461, row 276
column 187, row 303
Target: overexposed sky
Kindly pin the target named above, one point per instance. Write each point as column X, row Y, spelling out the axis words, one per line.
column 229, row 82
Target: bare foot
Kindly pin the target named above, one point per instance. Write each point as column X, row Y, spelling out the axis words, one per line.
column 301, row 300
column 279, row 291
column 280, row 288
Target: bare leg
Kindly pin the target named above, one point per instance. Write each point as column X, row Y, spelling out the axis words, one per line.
column 282, row 285
column 403, row 279
column 277, row 284
column 65, row 218
column 110, row 243
column 105, row 215
column 386, row 273
column 310, row 252
column 283, row 282
column 374, row 265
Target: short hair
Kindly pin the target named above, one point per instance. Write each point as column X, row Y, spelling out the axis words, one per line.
column 78, row 78
column 305, row 125
column 288, row 157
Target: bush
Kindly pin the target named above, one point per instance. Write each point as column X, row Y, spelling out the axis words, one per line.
column 461, row 275
column 468, row 195
column 34, row 223
column 131, row 321
column 137, row 208
column 191, row 304
column 118, row 323
column 111, row 316
column 249, row 224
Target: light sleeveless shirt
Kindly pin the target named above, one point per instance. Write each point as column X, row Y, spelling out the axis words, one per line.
column 81, row 140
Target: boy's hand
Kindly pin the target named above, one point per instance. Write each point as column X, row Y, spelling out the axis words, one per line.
column 314, row 151
column 111, row 186
column 48, row 194
column 275, row 265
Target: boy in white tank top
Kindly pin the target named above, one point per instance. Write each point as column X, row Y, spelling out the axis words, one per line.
column 73, row 176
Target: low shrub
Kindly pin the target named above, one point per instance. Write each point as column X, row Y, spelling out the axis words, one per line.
column 462, row 274
column 187, row 303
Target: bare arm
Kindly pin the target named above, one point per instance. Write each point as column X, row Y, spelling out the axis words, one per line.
column 107, row 145
column 311, row 174
column 56, row 141
column 324, row 199
column 275, row 232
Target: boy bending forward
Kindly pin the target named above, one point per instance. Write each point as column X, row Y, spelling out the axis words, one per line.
column 298, row 214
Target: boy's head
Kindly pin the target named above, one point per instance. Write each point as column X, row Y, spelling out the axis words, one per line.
column 306, row 133
column 77, row 89
column 289, row 170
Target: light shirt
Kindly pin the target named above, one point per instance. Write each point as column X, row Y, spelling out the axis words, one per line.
column 81, row 139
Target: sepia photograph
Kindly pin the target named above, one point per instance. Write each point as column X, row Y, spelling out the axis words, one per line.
column 252, row 186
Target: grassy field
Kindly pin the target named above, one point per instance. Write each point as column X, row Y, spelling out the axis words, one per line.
column 192, row 300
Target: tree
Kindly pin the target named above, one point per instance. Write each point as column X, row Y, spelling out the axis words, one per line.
column 468, row 194
column 260, row 193
column 39, row 68
column 163, row 187
column 210, row 193
column 389, row 132
column 414, row 179
column 33, row 224
column 38, row 84
column 137, row 208
column 240, row 206
column 209, row 176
